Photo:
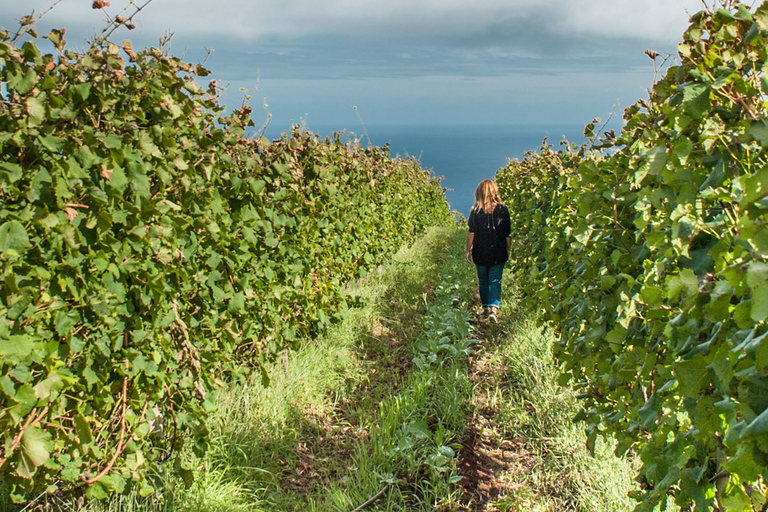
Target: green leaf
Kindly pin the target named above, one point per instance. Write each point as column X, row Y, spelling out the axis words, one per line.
column 43, row 389
column 34, row 451
column 237, row 304
column 118, row 179
column 25, row 83
column 692, row 376
column 758, row 426
column 96, row 491
column 52, row 143
column 757, row 280
column 82, row 91
column 755, row 187
column 649, row 412
column 16, row 348
column 90, row 376
column 36, row 109
column 419, row 428
column 113, row 141
column 13, row 237
column 85, row 156
column 83, row 430
column 147, row 145
column 12, row 172
column 65, row 320
column 257, row 186
column 696, row 99
column 759, row 131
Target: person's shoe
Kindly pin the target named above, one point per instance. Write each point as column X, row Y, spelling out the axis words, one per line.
column 492, row 316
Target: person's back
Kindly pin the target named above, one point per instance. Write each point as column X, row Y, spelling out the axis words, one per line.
column 488, row 243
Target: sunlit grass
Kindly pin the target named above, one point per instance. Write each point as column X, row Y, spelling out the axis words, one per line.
column 534, row 408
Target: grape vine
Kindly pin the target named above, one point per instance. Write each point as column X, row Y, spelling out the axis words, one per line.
column 648, row 252
column 149, row 251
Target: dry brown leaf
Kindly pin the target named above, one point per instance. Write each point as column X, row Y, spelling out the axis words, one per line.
column 128, row 48
column 71, row 214
column 100, row 4
column 652, row 54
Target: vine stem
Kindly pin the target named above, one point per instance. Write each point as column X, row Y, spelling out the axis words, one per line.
column 373, row 498
column 114, row 25
column 122, row 444
column 23, row 30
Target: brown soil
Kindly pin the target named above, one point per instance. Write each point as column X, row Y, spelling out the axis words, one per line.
column 492, row 466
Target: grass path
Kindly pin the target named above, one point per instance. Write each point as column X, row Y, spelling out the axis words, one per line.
column 411, row 404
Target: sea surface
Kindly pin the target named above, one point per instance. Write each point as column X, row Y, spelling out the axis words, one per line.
column 461, row 155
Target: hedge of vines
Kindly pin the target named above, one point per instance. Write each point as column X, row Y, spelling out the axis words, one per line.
column 647, row 250
column 149, row 251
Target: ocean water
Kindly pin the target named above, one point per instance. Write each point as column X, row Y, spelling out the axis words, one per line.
column 461, row 155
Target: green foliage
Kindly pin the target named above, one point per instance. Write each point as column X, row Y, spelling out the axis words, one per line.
column 647, row 252
column 148, row 251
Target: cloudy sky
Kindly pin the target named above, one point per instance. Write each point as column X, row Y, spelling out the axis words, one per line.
column 404, row 61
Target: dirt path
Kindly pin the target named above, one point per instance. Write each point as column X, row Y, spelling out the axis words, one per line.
column 494, row 465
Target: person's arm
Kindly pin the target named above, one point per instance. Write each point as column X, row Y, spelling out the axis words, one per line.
column 470, row 239
column 507, row 230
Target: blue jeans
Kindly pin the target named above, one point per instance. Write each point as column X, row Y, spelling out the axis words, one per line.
column 489, row 281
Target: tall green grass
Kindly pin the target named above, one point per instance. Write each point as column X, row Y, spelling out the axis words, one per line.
column 533, row 408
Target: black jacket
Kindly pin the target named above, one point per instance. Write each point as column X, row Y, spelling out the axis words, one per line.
column 489, row 246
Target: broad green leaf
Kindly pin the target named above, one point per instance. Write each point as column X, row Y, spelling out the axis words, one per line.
column 758, row 426
column 147, row 145
column 420, row 428
column 696, row 99
column 13, row 236
column 65, row 320
column 43, row 389
column 34, row 451
column 118, row 179
column 755, row 186
column 649, row 412
column 692, row 376
column 90, row 376
column 759, row 131
column 86, row 157
column 82, row 91
column 113, row 141
column 237, row 304
column 257, row 186
column 52, row 142
column 16, row 348
column 12, row 172
column 36, row 109
column 24, row 84
column 96, row 491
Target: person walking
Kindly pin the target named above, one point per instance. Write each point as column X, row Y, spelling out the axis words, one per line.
column 488, row 244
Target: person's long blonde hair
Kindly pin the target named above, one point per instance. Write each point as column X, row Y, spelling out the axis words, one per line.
column 486, row 197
